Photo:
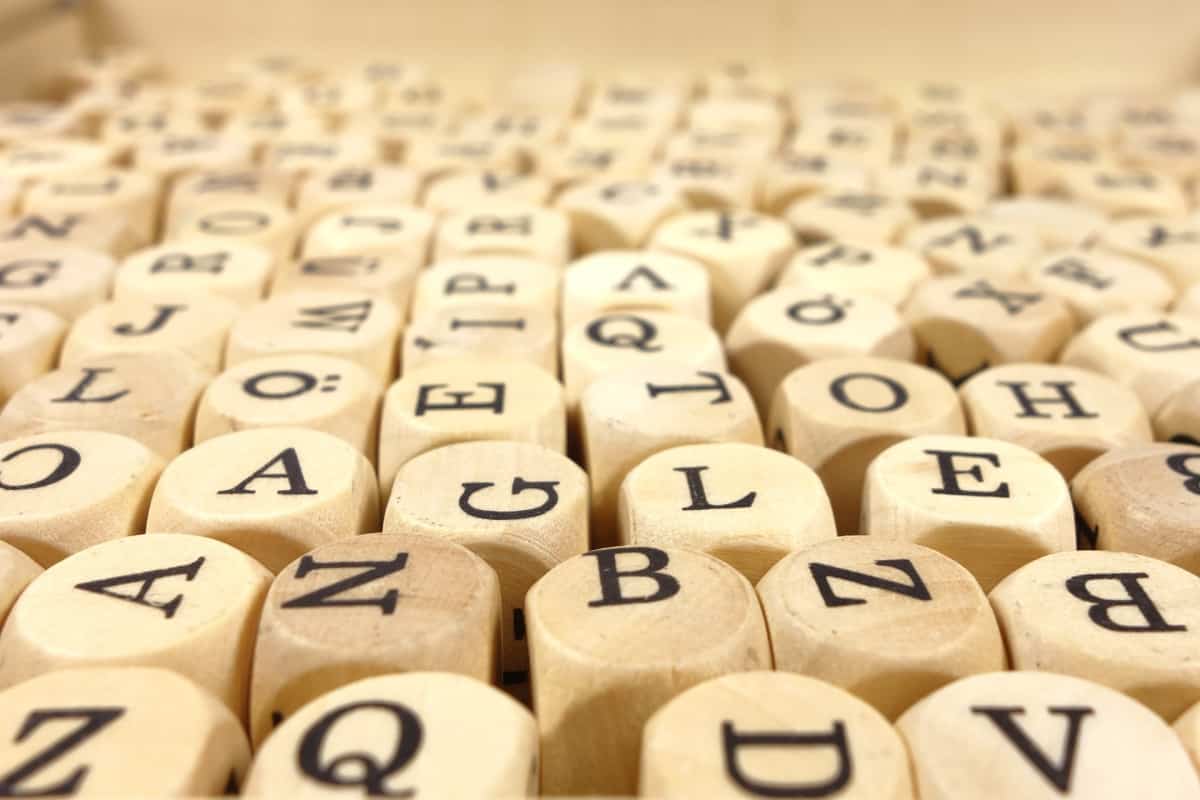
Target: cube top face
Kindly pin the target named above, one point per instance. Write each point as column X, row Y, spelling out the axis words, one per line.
column 237, row 270
column 372, row 228
column 980, row 247
column 487, row 329
column 1143, row 500
column 485, row 493
column 192, row 743
column 851, row 215
column 767, row 733
column 250, row 219
column 629, row 280
column 1037, row 734
column 1172, row 245
column 723, row 236
column 511, row 280
column 1059, row 223
column 633, row 607
column 1120, row 619
column 889, row 273
column 1096, row 282
column 61, row 278
column 409, row 731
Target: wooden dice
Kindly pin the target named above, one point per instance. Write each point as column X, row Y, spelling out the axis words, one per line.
column 147, row 397
column 65, row 491
column 371, row 605
column 837, row 414
column 521, row 507
column 746, row 505
column 274, row 493
column 236, row 271
column 399, row 231
column 1151, row 352
column 982, row 248
column 29, row 342
column 1065, row 414
column 618, row 214
column 1095, row 282
column 889, row 273
column 792, row 326
column 990, row 505
column 62, row 279
column 484, row 331
column 1142, row 500
column 888, row 621
column 1120, row 619
column 966, row 324
column 185, row 603
column 628, row 280
column 626, row 629
column 539, row 233
column 518, row 282
column 72, row 732
column 466, row 399
column 350, row 324
column 758, row 734
column 1021, row 735
column 628, row 416
column 325, row 393
column 387, row 276
column 407, row 736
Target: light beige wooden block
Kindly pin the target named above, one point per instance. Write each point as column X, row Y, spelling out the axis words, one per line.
column 748, row 115
column 462, row 191
column 622, row 94
column 976, row 247
column 249, row 221
column 967, row 324
column 1095, row 282
column 1051, row 168
column 1122, row 620
column 234, row 271
column 171, row 155
column 623, row 340
column 193, row 329
column 390, row 276
column 631, row 414
column 43, row 158
column 30, row 338
column 324, row 393
column 1127, row 192
column 1142, row 500
column 618, row 214
column 646, row 130
column 837, row 414
column 510, row 280
column 220, row 98
column 745, row 504
column 888, row 621
column 131, row 195
column 543, row 234
column 102, row 231
column 132, row 125
column 194, row 190
column 401, row 232
column 521, row 507
column 1168, row 151
column 627, row 629
column 483, row 331
column 888, row 273
column 740, row 87
column 792, row 326
column 722, row 144
column 17, row 570
column 323, row 192
column 147, row 397
column 796, row 174
column 633, row 280
column 409, row 733
column 1151, row 352
column 710, row 183
column 65, row 491
column 757, row 734
column 742, row 251
column 975, row 145
column 856, row 216
column 355, row 325
column 1031, row 735
column 1065, row 414
column 21, row 122
column 528, row 128
column 1059, row 223
column 331, row 99
column 579, row 162
column 395, row 129
column 1170, row 245
column 371, row 605
column 259, row 127
column 274, row 493
column 302, row 156
column 184, row 603
column 868, row 141
column 990, row 505
column 1178, row 419
column 467, row 399
column 936, row 188
column 72, row 732
column 1188, row 302
column 436, row 156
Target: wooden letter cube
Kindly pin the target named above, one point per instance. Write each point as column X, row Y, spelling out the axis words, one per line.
column 371, row 605
column 519, row 282
column 29, row 342
column 483, row 331
column 58, row 278
column 990, row 505
column 887, row 621
column 625, row 630
column 889, row 273
column 630, row 280
column 236, row 271
column 539, row 233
